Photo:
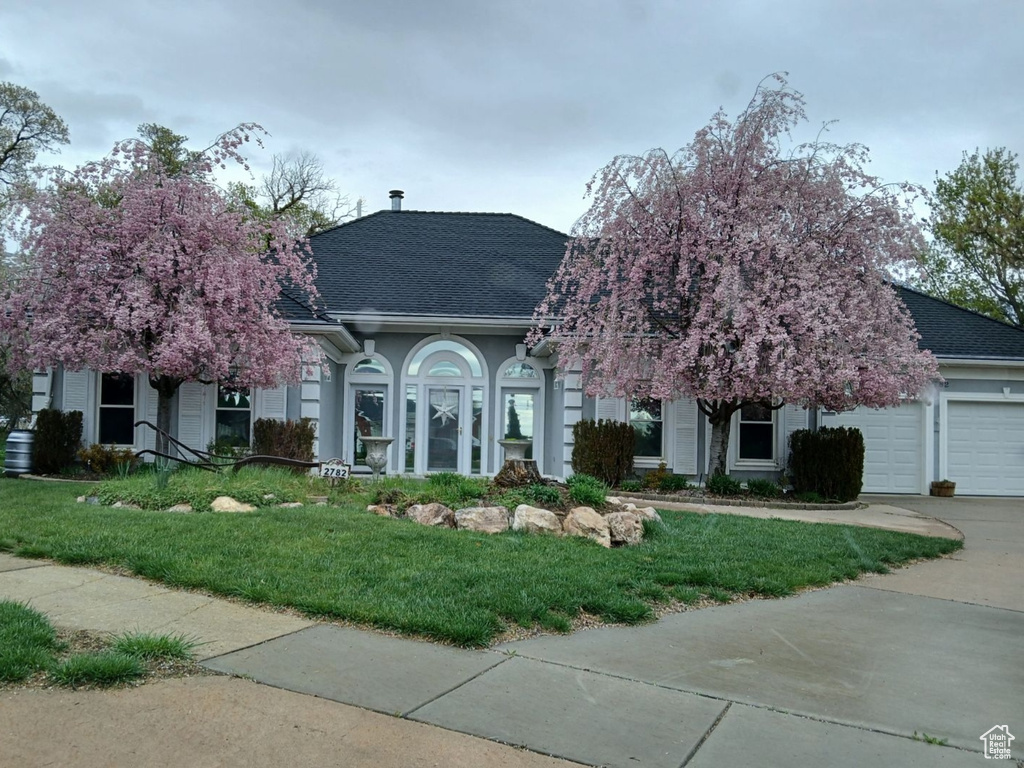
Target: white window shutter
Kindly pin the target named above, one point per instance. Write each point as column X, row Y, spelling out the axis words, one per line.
column 611, row 409
column 151, row 400
column 794, row 418
column 685, row 431
column 272, row 403
column 191, row 410
column 79, row 395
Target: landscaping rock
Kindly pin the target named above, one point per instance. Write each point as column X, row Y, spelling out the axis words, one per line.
column 432, row 514
column 482, row 519
column 227, row 504
column 80, row 499
column 535, row 520
column 290, row 505
column 384, row 510
column 122, row 505
column 649, row 513
column 625, row 527
column 180, row 508
column 584, row 521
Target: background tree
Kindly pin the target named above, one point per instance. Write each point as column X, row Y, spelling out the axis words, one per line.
column 977, row 260
column 297, row 190
column 138, row 270
column 27, row 127
column 735, row 273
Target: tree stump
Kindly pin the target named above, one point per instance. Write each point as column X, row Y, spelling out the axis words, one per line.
column 517, row 472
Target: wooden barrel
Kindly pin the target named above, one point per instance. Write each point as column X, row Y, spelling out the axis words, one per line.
column 18, row 459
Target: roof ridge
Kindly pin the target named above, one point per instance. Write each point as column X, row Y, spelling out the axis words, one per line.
column 948, row 303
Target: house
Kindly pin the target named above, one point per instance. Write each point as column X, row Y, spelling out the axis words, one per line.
column 423, row 320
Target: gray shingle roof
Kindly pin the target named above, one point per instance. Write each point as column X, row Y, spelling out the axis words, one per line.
column 426, row 263
column 952, row 331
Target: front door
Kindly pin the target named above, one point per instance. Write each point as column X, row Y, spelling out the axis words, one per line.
column 444, row 429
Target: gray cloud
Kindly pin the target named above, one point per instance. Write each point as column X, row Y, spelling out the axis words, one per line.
column 512, row 106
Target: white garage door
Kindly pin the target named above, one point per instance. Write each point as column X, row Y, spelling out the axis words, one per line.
column 893, row 449
column 985, row 448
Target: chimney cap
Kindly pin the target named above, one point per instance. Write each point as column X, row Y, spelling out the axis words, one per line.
column 396, row 193
column 396, row 199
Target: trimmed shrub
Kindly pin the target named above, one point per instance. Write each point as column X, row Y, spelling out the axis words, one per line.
column 287, row 439
column 828, row 462
column 764, row 489
column 672, row 483
column 723, row 485
column 107, row 459
column 58, row 436
column 603, row 449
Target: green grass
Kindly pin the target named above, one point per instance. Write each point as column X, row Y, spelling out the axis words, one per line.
column 27, row 642
column 140, row 645
column 102, row 669
column 457, row 587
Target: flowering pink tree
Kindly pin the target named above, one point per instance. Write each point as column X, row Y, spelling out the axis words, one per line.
column 734, row 273
column 138, row 267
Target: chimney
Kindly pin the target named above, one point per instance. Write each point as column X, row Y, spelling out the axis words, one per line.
column 396, row 196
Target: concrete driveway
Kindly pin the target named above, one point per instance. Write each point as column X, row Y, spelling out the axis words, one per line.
column 853, row 675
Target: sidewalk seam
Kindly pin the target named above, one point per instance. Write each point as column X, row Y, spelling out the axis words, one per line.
column 707, row 735
column 454, row 687
column 932, row 597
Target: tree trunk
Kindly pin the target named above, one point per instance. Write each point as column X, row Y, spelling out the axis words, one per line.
column 720, row 419
column 165, row 387
column 518, row 472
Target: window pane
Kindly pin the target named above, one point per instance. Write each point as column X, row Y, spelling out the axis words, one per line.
column 233, row 398
column 117, row 389
column 478, row 418
column 369, row 418
column 446, row 346
column 367, row 365
column 116, row 426
column 519, row 418
column 444, row 368
column 647, row 439
column 520, row 371
column 410, row 429
column 755, row 412
column 756, row 441
column 645, row 409
column 443, row 431
column 233, row 427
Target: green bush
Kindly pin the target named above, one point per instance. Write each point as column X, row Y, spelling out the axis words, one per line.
column 107, row 459
column 653, row 479
column 672, row 483
column 287, row 439
column 723, row 485
column 631, row 486
column 587, row 490
column 764, row 489
column 829, row 462
column 57, row 439
column 544, row 495
column 603, row 449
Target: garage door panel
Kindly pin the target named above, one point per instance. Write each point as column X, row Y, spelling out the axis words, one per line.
column 985, row 447
column 893, row 453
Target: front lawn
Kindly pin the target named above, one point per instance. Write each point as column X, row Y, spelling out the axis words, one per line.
column 340, row 562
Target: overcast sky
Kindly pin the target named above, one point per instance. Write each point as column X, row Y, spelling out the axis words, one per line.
column 474, row 105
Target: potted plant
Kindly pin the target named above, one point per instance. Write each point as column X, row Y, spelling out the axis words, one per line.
column 943, row 488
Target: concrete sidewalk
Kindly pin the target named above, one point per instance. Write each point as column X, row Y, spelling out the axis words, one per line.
column 844, row 676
